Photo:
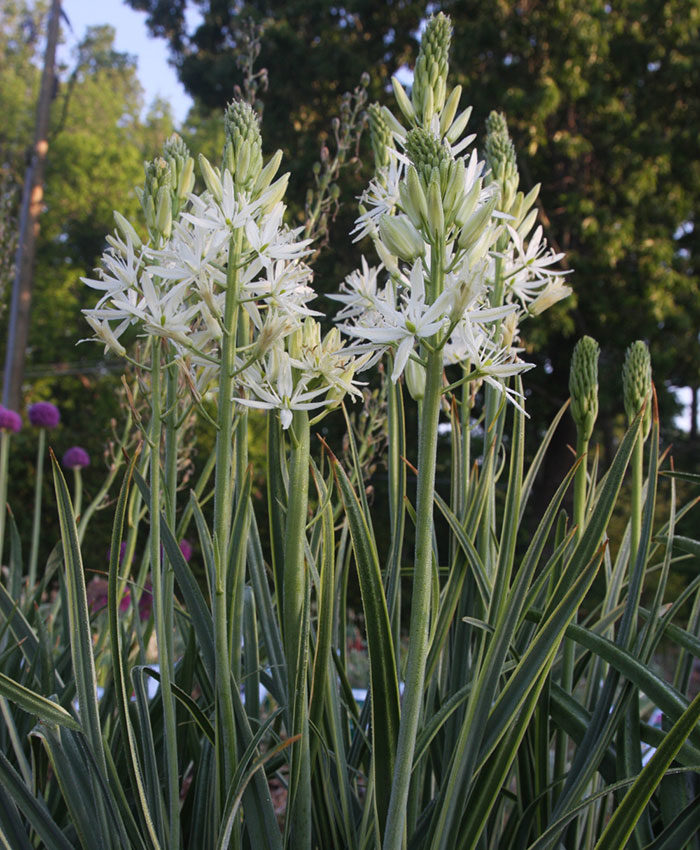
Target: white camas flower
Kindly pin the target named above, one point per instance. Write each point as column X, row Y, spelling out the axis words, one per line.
column 274, row 387
column 401, row 326
column 435, row 198
column 177, row 290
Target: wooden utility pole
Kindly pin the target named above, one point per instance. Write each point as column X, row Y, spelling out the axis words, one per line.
column 32, row 204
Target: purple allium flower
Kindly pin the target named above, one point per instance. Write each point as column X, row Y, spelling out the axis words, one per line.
column 43, row 414
column 146, row 601
column 186, row 549
column 76, row 458
column 9, row 420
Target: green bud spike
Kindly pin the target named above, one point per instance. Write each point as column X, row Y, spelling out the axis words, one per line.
column 158, row 184
column 243, row 144
column 583, row 385
column 380, row 136
column 426, row 152
column 430, row 75
column 636, row 383
column 500, row 155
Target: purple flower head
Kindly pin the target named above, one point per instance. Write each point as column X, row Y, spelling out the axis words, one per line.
column 43, row 414
column 76, row 458
column 146, row 601
column 9, row 420
column 186, row 549
column 122, row 550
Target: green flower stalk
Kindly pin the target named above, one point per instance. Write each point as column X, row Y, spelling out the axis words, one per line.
column 636, row 391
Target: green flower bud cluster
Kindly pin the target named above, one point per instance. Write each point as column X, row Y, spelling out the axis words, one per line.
column 380, row 136
column 430, row 76
column 177, row 155
column 156, row 198
column 500, row 155
column 636, row 383
column 583, row 385
column 434, row 194
column 243, row 144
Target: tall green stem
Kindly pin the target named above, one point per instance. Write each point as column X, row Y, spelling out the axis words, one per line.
column 36, row 523
column 420, row 604
column 159, row 605
column 295, row 618
column 637, row 464
column 225, row 721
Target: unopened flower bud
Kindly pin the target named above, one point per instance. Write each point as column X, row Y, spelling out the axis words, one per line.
column 583, row 385
column 474, row 226
column 268, row 173
column 458, row 125
column 426, row 153
column 402, row 100
column 636, row 383
column 449, row 111
column 430, row 76
column 414, row 373
column 211, row 177
column 436, row 216
column 500, row 155
column 401, row 237
column 127, row 230
column 243, row 144
column 380, row 136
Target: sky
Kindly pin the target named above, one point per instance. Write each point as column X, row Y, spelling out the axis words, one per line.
column 157, row 77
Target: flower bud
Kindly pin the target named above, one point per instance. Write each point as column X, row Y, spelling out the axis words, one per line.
column 243, row 144
column 472, row 230
column 402, row 100
column 450, row 110
column 416, row 194
column 267, row 175
column 127, row 230
column 636, row 383
column 436, row 220
column 500, row 155
column 211, row 177
column 430, row 75
column 426, row 153
column 164, row 213
column 380, row 136
column 401, row 237
column 583, row 385
column 414, row 374
column 458, row 125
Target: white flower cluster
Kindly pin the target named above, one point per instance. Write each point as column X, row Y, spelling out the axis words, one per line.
column 176, row 288
column 459, row 269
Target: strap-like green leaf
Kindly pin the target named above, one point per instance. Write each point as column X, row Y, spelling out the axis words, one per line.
column 383, row 675
column 79, row 619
